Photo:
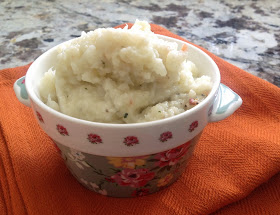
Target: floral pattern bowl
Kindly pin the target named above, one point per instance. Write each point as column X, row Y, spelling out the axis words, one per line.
column 128, row 160
column 127, row 176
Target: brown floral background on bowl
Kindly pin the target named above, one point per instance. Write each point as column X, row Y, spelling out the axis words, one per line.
column 128, row 176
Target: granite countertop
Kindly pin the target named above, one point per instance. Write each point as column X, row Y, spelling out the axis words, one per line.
column 244, row 33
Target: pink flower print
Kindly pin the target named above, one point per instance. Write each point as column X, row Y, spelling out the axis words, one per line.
column 94, row 138
column 23, row 81
column 110, row 180
column 165, row 136
column 133, row 177
column 140, row 192
column 172, row 156
column 131, row 141
column 193, row 126
column 62, row 130
column 39, row 116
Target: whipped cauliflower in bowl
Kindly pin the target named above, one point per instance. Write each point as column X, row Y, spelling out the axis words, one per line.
column 126, row 106
column 123, row 76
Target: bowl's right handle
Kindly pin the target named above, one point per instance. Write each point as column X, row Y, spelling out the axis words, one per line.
column 225, row 104
column 20, row 91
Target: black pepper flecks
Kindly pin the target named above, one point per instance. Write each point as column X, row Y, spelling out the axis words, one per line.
column 103, row 63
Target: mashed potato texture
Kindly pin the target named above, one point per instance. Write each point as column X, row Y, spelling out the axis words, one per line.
column 122, row 76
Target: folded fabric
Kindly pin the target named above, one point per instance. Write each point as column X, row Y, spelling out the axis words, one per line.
column 234, row 169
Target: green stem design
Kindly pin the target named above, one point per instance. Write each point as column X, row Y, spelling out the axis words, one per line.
column 101, row 183
column 115, row 170
column 97, row 171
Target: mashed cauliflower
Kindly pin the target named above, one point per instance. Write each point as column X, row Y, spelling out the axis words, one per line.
column 122, row 76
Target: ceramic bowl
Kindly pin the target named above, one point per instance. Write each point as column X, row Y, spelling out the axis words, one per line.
column 128, row 160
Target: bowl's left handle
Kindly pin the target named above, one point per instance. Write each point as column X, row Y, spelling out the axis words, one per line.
column 20, row 91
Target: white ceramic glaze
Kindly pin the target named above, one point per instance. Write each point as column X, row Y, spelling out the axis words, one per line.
column 126, row 140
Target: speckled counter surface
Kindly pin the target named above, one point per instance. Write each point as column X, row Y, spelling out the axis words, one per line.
column 244, row 33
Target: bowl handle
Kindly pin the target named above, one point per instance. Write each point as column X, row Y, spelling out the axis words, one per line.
column 20, row 91
column 225, row 104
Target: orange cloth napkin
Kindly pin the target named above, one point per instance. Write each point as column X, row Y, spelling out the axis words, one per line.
column 234, row 169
